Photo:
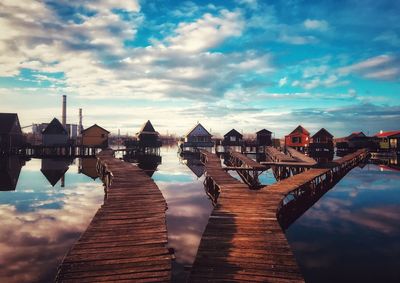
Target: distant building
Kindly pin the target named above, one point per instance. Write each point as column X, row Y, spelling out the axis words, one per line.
column 389, row 141
column 197, row 137
column 148, row 137
column 299, row 139
column 55, row 134
column 11, row 138
column 95, row 136
column 72, row 130
column 322, row 141
column 263, row 138
column 356, row 140
column 232, row 138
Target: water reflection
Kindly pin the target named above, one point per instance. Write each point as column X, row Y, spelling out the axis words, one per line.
column 188, row 208
column 146, row 162
column 40, row 224
column 351, row 234
column 55, row 169
column 87, row 166
column 10, row 169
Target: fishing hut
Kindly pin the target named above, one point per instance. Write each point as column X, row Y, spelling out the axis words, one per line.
column 298, row 139
column 197, row 138
column 11, row 138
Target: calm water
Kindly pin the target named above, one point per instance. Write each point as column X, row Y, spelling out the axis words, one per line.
column 39, row 221
column 350, row 235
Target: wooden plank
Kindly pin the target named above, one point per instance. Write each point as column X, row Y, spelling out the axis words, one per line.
column 127, row 238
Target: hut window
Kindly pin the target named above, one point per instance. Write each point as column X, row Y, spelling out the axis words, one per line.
column 232, row 138
column 296, row 139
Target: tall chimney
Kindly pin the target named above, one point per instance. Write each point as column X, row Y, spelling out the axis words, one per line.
column 80, row 122
column 64, row 111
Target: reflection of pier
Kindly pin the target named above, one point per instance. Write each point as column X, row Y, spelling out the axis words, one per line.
column 126, row 239
column 243, row 240
column 147, row 162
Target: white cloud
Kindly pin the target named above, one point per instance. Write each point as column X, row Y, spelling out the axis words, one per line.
column 382, row 67
column 297, row 39
column 283, row 81
column 315, row 24
column 207, row 32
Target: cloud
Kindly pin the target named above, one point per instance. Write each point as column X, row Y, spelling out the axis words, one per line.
column 283, row 81
column 206, row 33
column 315, row 25
column 389, row 37
column 297, row 39
column 382, row 67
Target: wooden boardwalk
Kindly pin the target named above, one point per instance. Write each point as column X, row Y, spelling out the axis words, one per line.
column 246, row 161
column 300, row 156
column 243, row 240
column 275, row 155
column 126, row 239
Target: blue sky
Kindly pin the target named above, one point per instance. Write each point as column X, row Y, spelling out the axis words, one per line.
column 245, row 64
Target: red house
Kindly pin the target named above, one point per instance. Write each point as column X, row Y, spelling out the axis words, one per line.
column 299, row 139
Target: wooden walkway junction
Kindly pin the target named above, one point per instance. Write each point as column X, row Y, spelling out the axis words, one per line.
column 243, row 240
column 126, row 239
column 300, row 156
column 248, row 169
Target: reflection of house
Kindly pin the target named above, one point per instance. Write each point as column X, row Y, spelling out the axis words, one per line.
column 322, row 141
column 298, row 139
column 264, row 138
column 148, row 137
column 232, row 138
column 55, row 134
column 195, row 166
column 146, row 162
column 54, row 170
column 389, row 140
column 198, row 137
column 88, row 167
column 95, row 136
column 10, row 169
column 11, row 137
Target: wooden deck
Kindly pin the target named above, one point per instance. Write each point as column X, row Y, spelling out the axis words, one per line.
column 246, row 161
column 275, row 155
column 243, row 240
column 300, row 156
column 126, row 239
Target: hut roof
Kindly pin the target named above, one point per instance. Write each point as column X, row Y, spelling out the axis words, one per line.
column 55, row 128
column 264, row 131
column 7, row 121
column 322, row 132
column 96, row 126
column 147, row 128
column 233, row 132
column 356, row 135
column 198, row 130
column 387, row 134
column 300, row 130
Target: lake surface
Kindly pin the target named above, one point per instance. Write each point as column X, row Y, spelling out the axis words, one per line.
column 40, row 222
column 352, row 234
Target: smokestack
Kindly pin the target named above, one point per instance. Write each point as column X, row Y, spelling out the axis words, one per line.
column 64, row 111
column 80, row 122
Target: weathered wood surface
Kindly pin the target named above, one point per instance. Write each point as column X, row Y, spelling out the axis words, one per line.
column 277, row 156
column 243, row 240
column 246, row 161
column 300, row 156
column 126, row 239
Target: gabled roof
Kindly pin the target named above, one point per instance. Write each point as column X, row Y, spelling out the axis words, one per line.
column 387, row 134
column 356, row 135
column 323, row 132
column 147, row 128
column 197, row 130
column 96, row 126
column 264, row 131
column 55, row 128
column 300, row 130
column 7, row 121
column 233, row 132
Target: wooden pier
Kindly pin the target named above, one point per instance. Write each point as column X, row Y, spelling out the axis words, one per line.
column 127, row 238
column 252, row 169
column 243, row 240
